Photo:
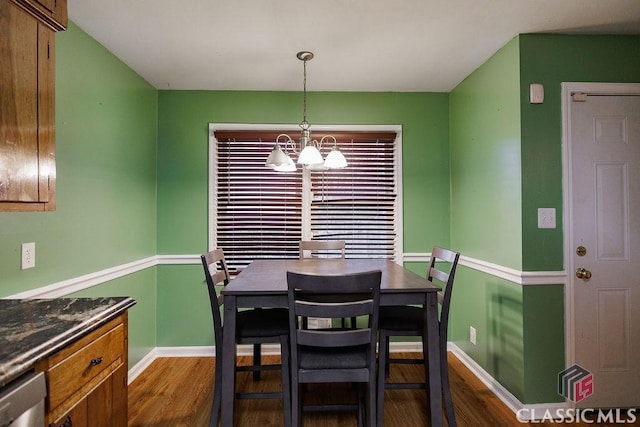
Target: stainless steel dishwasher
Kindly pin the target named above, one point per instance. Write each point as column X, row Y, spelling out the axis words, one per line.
column 22, row 401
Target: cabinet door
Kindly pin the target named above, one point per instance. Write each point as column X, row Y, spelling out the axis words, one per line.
column 27, row 121
column 76, row 417
column 107, row 404
column 18, row 106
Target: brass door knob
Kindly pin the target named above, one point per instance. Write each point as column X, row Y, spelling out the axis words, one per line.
column 583, row 273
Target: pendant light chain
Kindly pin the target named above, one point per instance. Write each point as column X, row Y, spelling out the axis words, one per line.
column 309, row 154
column 304, row 91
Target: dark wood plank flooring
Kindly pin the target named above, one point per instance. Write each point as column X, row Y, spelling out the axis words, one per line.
column 178, row 392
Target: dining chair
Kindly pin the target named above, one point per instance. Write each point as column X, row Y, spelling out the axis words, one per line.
column 323, row 249
column 409, row 321
column 256, row 326
column 334, row 355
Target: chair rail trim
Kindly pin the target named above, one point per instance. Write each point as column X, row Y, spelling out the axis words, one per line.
column 65, row 287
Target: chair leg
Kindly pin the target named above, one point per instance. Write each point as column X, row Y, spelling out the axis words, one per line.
column 296, row 403
column 372, row 416
column 286, row 379
column 362, row 410
column 257, row 360
column 425, row 365
column 217, row 392
column 387, row 363
column 383, row 352
column 446, row 389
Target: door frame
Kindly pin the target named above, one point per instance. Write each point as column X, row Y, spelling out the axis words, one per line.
column 567, row 90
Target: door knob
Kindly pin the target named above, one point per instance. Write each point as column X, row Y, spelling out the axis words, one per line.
column 583, row 273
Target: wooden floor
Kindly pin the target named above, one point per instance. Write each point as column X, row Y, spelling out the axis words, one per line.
column 178, row 392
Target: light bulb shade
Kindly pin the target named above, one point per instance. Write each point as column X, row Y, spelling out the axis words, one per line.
column 310, row 155
column 335, row 160
column 277, row 157
column 289, row 167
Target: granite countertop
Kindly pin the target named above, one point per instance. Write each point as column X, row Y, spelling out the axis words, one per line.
column 32, row 329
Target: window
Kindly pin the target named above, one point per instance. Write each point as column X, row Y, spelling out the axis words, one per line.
column 256, row 212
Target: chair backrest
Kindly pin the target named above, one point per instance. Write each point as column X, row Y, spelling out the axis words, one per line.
column 333, row 296
column 215, row 272
column 441, row 272
column 324, row 248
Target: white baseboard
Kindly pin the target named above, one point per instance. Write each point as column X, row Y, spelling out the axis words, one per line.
column 528, row 412
column 139, row 367
column 194, row 351
column 243, row 350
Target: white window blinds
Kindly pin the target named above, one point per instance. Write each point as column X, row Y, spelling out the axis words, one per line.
column 259, row 212
column 357, row 204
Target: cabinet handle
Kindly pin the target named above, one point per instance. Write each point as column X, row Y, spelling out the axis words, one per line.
column 96, row 361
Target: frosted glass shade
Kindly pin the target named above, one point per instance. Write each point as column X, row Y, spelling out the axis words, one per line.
column 289, row 167
column 277, row 157
column 310, row 155
column 335, row 160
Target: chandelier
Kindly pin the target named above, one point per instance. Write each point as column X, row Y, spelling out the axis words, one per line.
column 309, row 152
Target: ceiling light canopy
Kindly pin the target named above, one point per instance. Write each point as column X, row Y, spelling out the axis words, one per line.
column 309, row 154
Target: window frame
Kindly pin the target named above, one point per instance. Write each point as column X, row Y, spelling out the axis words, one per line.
column 293, row 130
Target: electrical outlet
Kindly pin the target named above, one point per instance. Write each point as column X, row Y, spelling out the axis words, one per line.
column 28, row 255
column 472, row 335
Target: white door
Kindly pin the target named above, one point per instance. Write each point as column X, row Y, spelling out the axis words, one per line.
column 604, row 165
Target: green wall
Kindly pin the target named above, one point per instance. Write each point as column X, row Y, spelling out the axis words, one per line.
column 485, row 161
column 552, row 59
column 506, row 163
column 183, row 119
column 106, row 126
column 486, row 215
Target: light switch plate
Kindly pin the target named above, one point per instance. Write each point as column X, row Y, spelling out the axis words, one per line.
column 546, row 217
column 536, row 93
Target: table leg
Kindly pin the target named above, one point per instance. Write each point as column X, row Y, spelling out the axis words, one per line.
column 432, row 360
column 228, row 360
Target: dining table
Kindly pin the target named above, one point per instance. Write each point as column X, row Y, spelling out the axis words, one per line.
column 263, row 283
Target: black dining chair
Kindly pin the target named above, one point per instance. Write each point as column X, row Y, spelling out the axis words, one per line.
column 256, row 326
column 323, row 249
column 409, row 321
column 334, row 355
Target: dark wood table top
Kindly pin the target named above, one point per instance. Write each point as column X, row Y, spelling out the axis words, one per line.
column 269, row 276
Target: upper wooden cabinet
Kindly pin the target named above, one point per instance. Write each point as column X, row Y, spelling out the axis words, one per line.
column 27, row 117
column 52, row 13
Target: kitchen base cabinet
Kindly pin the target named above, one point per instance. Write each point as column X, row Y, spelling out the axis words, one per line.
column 87, row 381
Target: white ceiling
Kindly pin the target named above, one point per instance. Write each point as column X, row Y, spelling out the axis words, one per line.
column 359, row 45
